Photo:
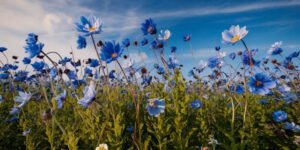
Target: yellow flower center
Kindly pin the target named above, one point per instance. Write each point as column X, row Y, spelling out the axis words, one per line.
column 258, row 83
column 151, row 103
column 91, row 29
column 113, row 55
column 235, row 38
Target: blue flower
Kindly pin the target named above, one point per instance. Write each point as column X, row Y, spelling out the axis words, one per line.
column 72, row 75
column 21, row 76
column 239, row 89
column 33, row 47
column 88, row 71
column 53, row 73
column 160, row 70
column 64, row 61
column 157, row 44
column 14, row 111
column 146, row 80
column 89, row 26
column 213, row 62
column 148, row 27
column 279, row 116
column 89, row 95
column 112, row 74
column 173, row 49
column 217, row 48
column 234, row 34
column 291, row 126
column 26, row 60
column 38, row 66
column 275, row 49
column 155, row 107
column 232, row 55
column 173, row 62
column 186, row 37
column 246, row 59
column 60, row 98
column 196, row 104
column 144, row 42
column 111, row 51
column 260, row 84
column 4, row 76
column 2, row 49
column 126, row 42
column 81, row 42
column 94, row 63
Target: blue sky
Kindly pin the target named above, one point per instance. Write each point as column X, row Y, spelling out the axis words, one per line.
column 267, row 21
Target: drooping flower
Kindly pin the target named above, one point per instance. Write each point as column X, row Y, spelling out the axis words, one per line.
column 234, row 34
column 89, row 95
column 60, row 98
column 89, row 26
column 33, row 47
column 102, row 146
column 275, row 48
column 157, row 44
column 155, row 106
column 111, row 74
column 126, row 42
column 164, row 35
column 279, row 116
column 111, row 51
column 196, row 104
column 64, row 61
column 148, row 27
column 38, row 66
column 81, row 42
column 2, row 49
column 26, row 60
column 260, row 84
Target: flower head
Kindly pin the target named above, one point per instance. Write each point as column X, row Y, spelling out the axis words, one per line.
column 148, row 27
column 26, row 60
column 60, row 98
column 111, row 51
column 89, row 95
column 33, row 47
column 279, row 116
column 89, row 26
column 196, row 104
column 126, row 42
column 38, row 66
column 81, row 42
column 234, row 34
column 144, row 42
column 164, row 35
column 2, row 49
column 187, row 37
column 275, row 48
column 213, row 62
column 260, row 84
column 155, row 106
column 102, row 147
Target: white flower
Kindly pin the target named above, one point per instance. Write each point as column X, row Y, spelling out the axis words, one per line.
column 276, row 47
column 23, row 98
column 202, row 64
column 164, row 35
column 234, row 34
column 102, row 146
column 89, row 95
column 221, row 55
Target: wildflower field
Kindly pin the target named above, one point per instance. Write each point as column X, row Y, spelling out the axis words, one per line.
column 228, row 101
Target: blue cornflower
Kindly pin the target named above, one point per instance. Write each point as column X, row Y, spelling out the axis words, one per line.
column 217, row 48
column 213, row 62
column 239, row 89
column 275, row 49
column 60, row 98
column 246, row 59
column 89, row 95
column 72, row 75
column 111, row 74
column 157, row 44
column 33, row 47
column 279, row 116
column 53, row 73
column 26, row 60
column 148, row 27
column 160, row 70
column 4, row 76
column 173, row 49
column 89, row 26
column 147, row 80
column 144, row 42
column 2, row 49
column 111, row 51
column 173, row 62
column 38, row 66
column 232, row 55
column 81, row 42
column 126, row 42
column 64, row 61
column 260, row 84
column 94, row 63
column 155, row 106
column 88, row 71
column 196, row 104
column 292, row 126
column 21, row 76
